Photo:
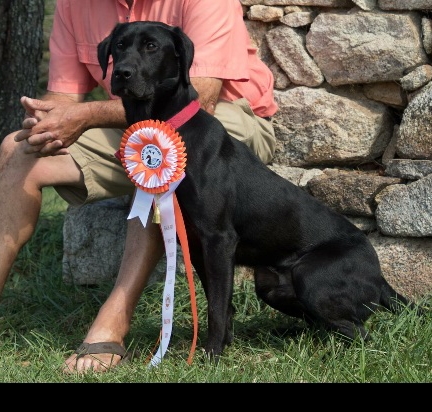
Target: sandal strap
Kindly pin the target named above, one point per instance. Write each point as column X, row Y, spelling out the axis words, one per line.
column 100, row 347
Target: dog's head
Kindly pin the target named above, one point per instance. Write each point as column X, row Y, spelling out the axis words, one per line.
column 150, row 59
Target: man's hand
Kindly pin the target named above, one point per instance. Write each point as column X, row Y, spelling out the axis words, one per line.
column 51, row 126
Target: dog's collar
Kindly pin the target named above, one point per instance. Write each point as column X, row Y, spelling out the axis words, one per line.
column 184, row 115
column 178, row 119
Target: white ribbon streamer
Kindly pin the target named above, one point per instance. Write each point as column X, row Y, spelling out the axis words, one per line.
column 168, row 225
column 141, row 207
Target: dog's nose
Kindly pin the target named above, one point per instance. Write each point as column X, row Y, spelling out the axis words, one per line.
column 123, row 73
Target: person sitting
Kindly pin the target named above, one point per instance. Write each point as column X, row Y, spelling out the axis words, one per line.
column 69, row 143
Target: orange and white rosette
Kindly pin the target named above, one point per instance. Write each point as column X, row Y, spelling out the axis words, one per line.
column 154, row 157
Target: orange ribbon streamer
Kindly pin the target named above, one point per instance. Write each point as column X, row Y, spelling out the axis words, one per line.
column 181, row 232
column 154, row 158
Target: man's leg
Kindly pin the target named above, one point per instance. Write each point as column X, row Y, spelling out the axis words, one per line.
column 105, row 177
column 241, row 123
column 22, row 178
column 143, row 249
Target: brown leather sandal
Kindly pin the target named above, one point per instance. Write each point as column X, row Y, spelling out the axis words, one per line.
column 103, row 347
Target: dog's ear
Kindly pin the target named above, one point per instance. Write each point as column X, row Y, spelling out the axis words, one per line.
column 185, row 50
column 104, row 52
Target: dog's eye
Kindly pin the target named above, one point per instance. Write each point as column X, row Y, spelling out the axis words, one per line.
column 119, row 45
column 151, row 46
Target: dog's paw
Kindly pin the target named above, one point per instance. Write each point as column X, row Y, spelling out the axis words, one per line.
column 212, row 355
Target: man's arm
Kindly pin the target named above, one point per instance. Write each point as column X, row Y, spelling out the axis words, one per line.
column 57, row 120
column 208, row 89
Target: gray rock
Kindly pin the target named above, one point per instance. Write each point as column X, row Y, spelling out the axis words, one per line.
column 300, row 177
column 417, row 78
column 288, row 48
column 366, row 4
column 345, row 46
column 349, row 192
column 93, row 239
column 415, row 133
column 406, row 210
column 405, row 4
column 314, row 127
column 427, row 34
column 409, row 169
column 406, row 263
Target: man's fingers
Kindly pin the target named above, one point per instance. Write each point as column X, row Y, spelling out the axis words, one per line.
column 29, row 122
column 53, row 148
column 32, row 105
column 40, row 139
column 22, row 135
column 30, row 149
column 29, row 112
column 47, row 149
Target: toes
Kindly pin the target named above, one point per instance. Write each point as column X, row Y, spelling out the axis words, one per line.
column 95, row 363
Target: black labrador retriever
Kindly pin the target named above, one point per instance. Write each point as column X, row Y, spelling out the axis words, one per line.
column 309, row 261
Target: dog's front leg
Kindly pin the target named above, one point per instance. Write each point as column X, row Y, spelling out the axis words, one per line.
column 219, row 267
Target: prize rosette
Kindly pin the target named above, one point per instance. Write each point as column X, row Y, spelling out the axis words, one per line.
column 154, row 158
column 153, row 155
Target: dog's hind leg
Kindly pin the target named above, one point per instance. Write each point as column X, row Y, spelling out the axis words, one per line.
column 339, row 287
column 277, row 290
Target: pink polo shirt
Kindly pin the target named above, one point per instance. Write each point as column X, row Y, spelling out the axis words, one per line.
column 223, row 48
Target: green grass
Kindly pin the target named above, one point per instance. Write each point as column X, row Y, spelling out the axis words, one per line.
column 42, row 320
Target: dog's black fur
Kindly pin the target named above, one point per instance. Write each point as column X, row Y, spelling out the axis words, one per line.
column 309, row 261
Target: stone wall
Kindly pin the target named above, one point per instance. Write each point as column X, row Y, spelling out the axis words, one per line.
column 353, row 80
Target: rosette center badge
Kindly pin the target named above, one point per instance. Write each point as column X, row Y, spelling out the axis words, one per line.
column 151, row 156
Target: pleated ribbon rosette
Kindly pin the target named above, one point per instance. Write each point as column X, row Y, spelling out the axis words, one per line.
column 154, row 157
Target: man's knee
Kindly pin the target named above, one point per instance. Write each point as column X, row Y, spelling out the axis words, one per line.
column 8, row 144
column 241, row 123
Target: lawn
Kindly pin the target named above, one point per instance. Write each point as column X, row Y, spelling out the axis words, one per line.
column 43, row 319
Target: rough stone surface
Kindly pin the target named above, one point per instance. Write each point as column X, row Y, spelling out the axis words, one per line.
column 264, row 13
column 93, row 238
column 417, row 78
column 350, row 193
column 366, row 4
column 415, row 133
column 365, row 47
column 298, row 19
column 389, row 93
column 406, row 210
column 405, row 4
column 300, row 177
column 427, row 34
column 409, row 169
column 390, row 151
column 287, row 46
column 405, row 263
column 315, row 127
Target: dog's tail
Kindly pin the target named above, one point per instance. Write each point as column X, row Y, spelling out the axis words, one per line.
column 395, row 302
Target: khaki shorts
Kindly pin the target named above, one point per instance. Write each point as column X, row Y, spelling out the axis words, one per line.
column 105, row 178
